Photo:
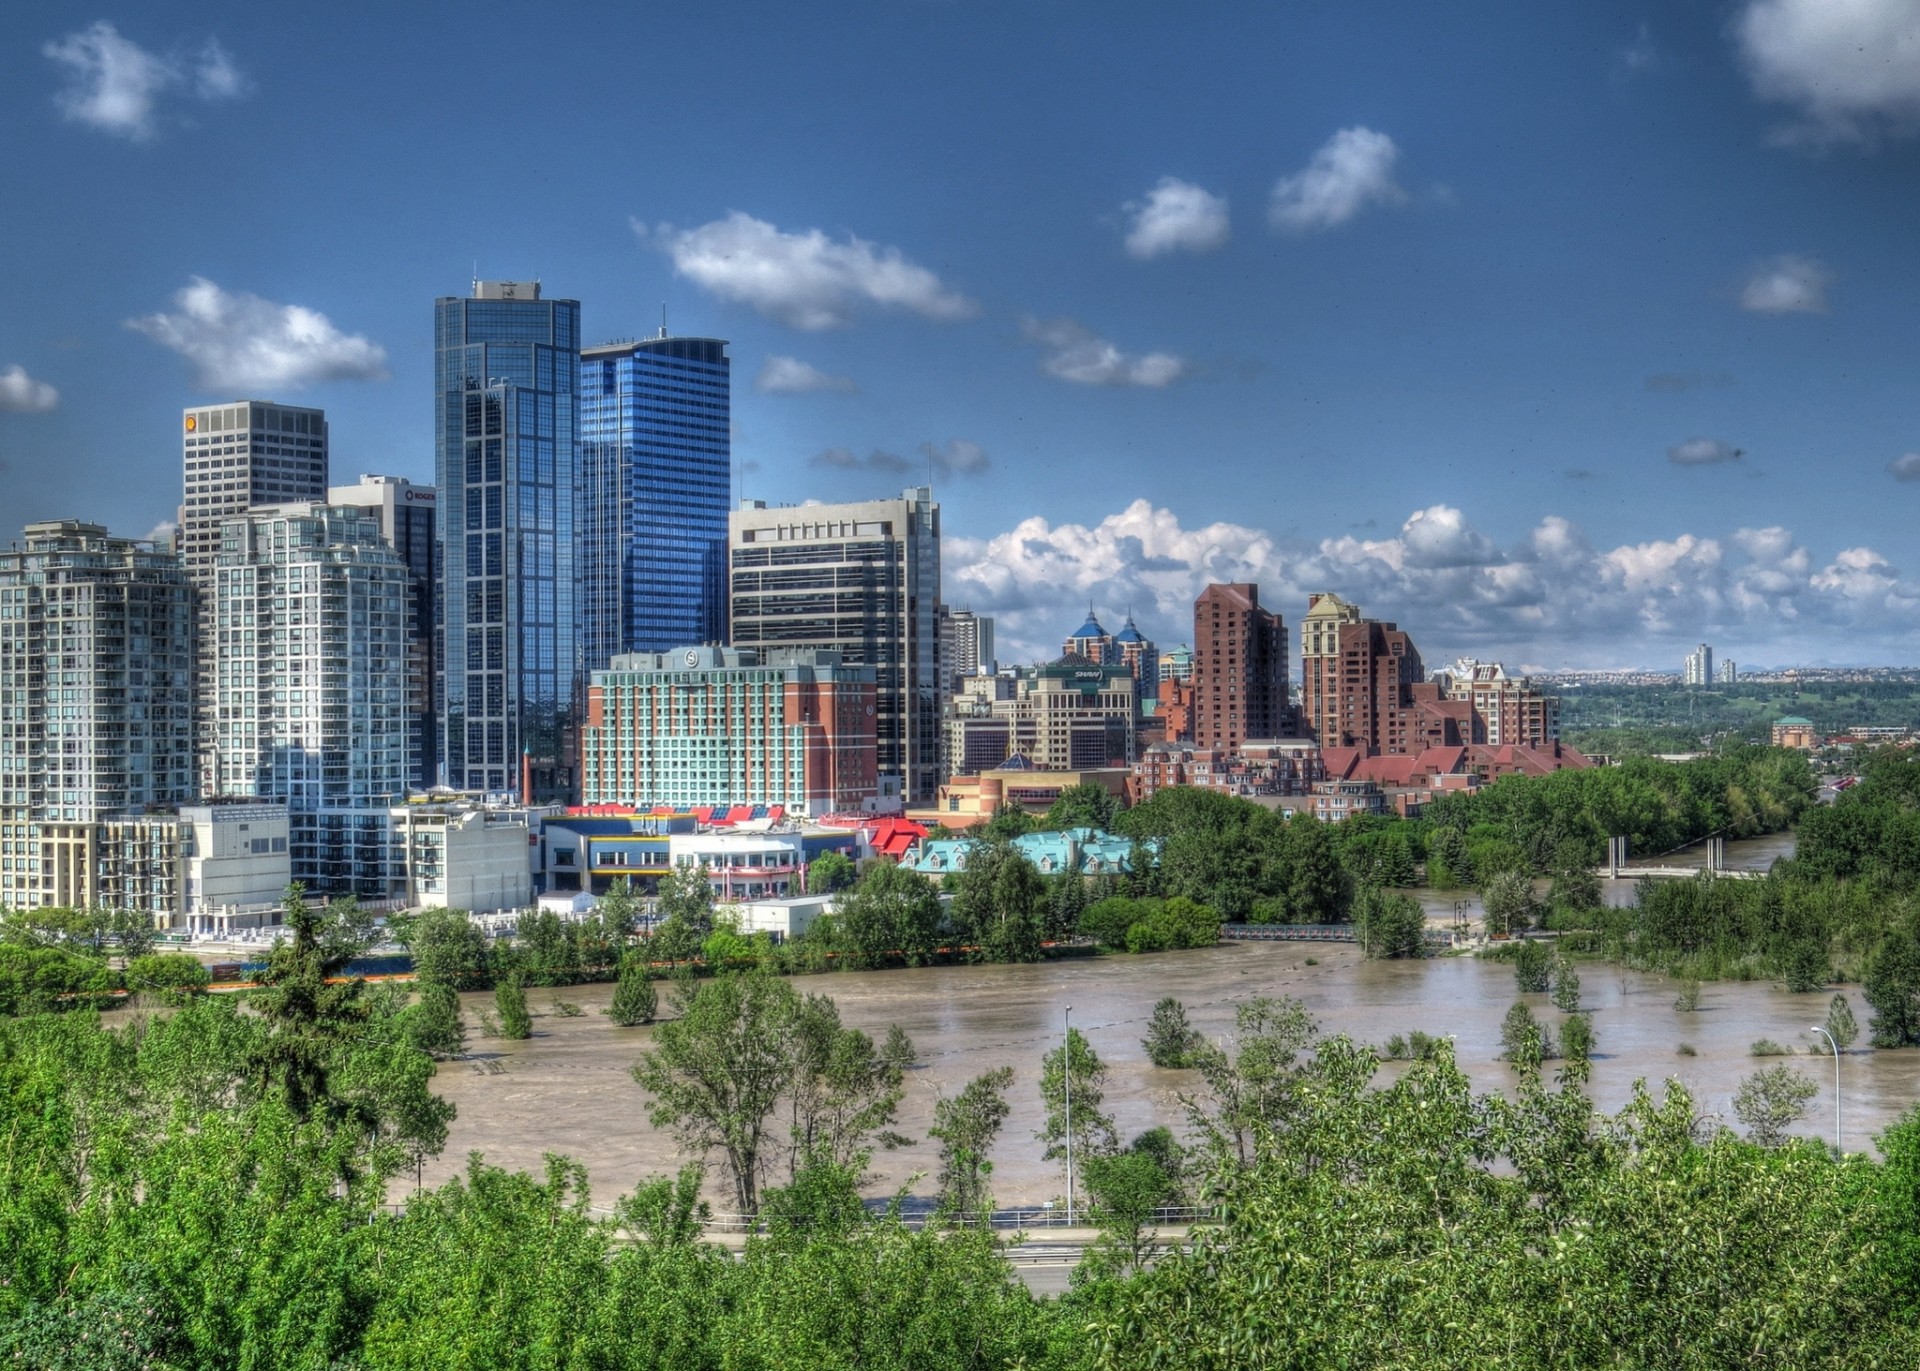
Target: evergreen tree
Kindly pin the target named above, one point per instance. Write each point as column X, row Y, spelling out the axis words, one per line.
column 1891, row 985
column 1316, row 884
column 1841, row 1023
column 635, row 1001
column 1566, row 985
column 1171, row 1041
column 510, row 1002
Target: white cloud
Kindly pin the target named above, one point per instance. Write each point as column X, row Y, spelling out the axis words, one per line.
column 1851, row 67
column 846, row 459
column 1072, row 352
column 1641, row 55
column 1177, row 216
column 1702, row 452
column 791, row 376
column 21, row 394
column 955, row 457
column 1905, row 467
column 239, row 342
column 1552, row 597
column 115, row 85
column 1352, row 170
column 803, row 279
column 1787, row 284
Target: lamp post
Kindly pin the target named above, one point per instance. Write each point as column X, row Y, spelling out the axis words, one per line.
column 1816, row 1028
column 1066, row 1075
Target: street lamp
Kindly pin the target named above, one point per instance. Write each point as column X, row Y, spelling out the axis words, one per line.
column 1816, row 1028
column 1066, row 1074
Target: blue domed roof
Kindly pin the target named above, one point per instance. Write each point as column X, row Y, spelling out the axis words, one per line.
column 1130, row 634
column 1090, row 629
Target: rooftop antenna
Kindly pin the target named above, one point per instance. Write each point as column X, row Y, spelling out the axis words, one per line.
column 663, row 318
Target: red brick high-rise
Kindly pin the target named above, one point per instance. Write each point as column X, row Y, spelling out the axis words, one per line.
column 1239, row 669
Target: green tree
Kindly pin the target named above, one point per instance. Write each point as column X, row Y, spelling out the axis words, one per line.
column 892, row 910
column 510, row 1003
column 308, row 1009
column 1891, row 987
column 967, row 1125
column 619, row 909
column 685, row 909
column 1804, row 966
column 1074, row 1071
column 447, row 947
column 1316, row 884
column 1171, row 1041
column 1576, row 1038
column 1389, row 925
column 1532, row 967
column 1841, row 1023
column 842, row 1093
column 1566, row 984
column 1128, row 1188
column 433, row 1024
column 1771, row 1101
column 1255, row 1089
column 1009, row 821
column 635, row 1001
column 1448, row 866
column 1083, row 806
column 1524, row 1040
column 716, row 1072
column 998, row 903
column 1509, row 903
column 166, row 973
column 831, row 871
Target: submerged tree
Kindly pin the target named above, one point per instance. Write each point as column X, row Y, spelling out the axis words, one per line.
column 1074, row 1074
column 1771, row 1101
column 1171, row 1041
column 635, row 1001
column 966, row 1125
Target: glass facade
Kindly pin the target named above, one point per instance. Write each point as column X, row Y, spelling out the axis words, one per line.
column 656, row 469
column 506, row 461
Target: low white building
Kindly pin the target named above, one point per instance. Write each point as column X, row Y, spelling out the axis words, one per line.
column 784, row 918
column 236, row 866
column 744, row 866
column 464, row 856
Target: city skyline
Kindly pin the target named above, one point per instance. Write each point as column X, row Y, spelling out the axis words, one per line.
column 1620, row 328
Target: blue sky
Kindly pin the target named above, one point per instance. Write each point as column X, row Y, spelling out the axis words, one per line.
column 1464, row 311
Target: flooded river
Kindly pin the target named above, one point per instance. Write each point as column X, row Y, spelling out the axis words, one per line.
column 567, row 1089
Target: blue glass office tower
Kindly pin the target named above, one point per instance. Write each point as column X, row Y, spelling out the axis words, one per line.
column 656, row 459
column 506, row 460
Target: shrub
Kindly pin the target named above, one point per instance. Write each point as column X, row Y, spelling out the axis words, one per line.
column 635, row 1001
column 1171, row 1041
column 510, row 1000
column 1687, row 1050
column 166, row 972
column 1767, row 1047
column 1687, row 1001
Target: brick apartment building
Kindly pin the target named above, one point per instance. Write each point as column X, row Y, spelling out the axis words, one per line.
column 1239, row 669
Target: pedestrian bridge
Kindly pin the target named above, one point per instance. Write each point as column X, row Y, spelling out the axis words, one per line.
column 1618, row 868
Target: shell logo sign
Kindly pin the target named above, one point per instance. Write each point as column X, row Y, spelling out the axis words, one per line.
column 192, row 423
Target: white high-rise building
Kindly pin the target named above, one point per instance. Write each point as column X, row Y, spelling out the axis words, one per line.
column 309, row 698
column 96, row 705
column 1699, row 670
column 1729, row 672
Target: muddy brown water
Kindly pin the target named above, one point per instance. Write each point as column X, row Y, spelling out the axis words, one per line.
column 567, row 1089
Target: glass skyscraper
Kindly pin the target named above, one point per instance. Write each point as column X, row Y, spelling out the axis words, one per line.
column 506, row 460
column 656, row 461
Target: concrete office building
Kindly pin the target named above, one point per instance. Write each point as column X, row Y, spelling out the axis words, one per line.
column 507, row 467
column 1699, row 666
column 1729, row 672
column 1071, row 716
column 656, row 477
column 1240, row 687
column 96, row 713
column 460, row 855
column 311, row 608
column 861, row 580
column 702, row 726
column 1507, row 710
column 407, row 514
column 234, row 456
column 966, row 645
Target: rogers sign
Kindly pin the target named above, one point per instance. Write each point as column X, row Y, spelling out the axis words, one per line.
column 417, row 497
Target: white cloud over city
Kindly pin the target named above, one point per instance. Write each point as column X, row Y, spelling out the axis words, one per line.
column 806, row 280
column 116, row 86
column 791, row 376
column 1703, row 452
column 1851, row 68
column 1177, row 216
column 1456, row 589
column 1788, row 284
column 955, row 457
column 1070, row 351
column 22, row 394
column 1352, row 170
column 240, row 342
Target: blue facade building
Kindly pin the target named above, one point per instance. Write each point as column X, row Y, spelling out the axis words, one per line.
column 656, row 459
column 506, row 460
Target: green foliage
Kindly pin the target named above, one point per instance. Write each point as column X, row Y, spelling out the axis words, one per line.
column 1841, row 1025
column 1891, row 987
column 1009, row 821
column 1171, row 1041
column 893, row 912
column 1532, row 966
column 1576, row 1038
column 1687, row 1001
column 1083, row 806
column 1509, row 902
column 619, row 909
column 434, row 1025
column 1254, row 1090
column 999, row 903
column 510, row 1003
column 967, row 1125
column 685, row 908
column 1524, row 1040
column 448, row 947
column 1566, row 984
column 831, row 871
column 166, row 973
column 635, row 1001
column 1767, row 1047
column 1127, row 1187
column 1216, row 849
column 1150, row 925
column 34, row 980
column 1771, row 1101
column 1389, row 925
column 1073, row 1072
column 841, row 1092
column 1316, row 885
